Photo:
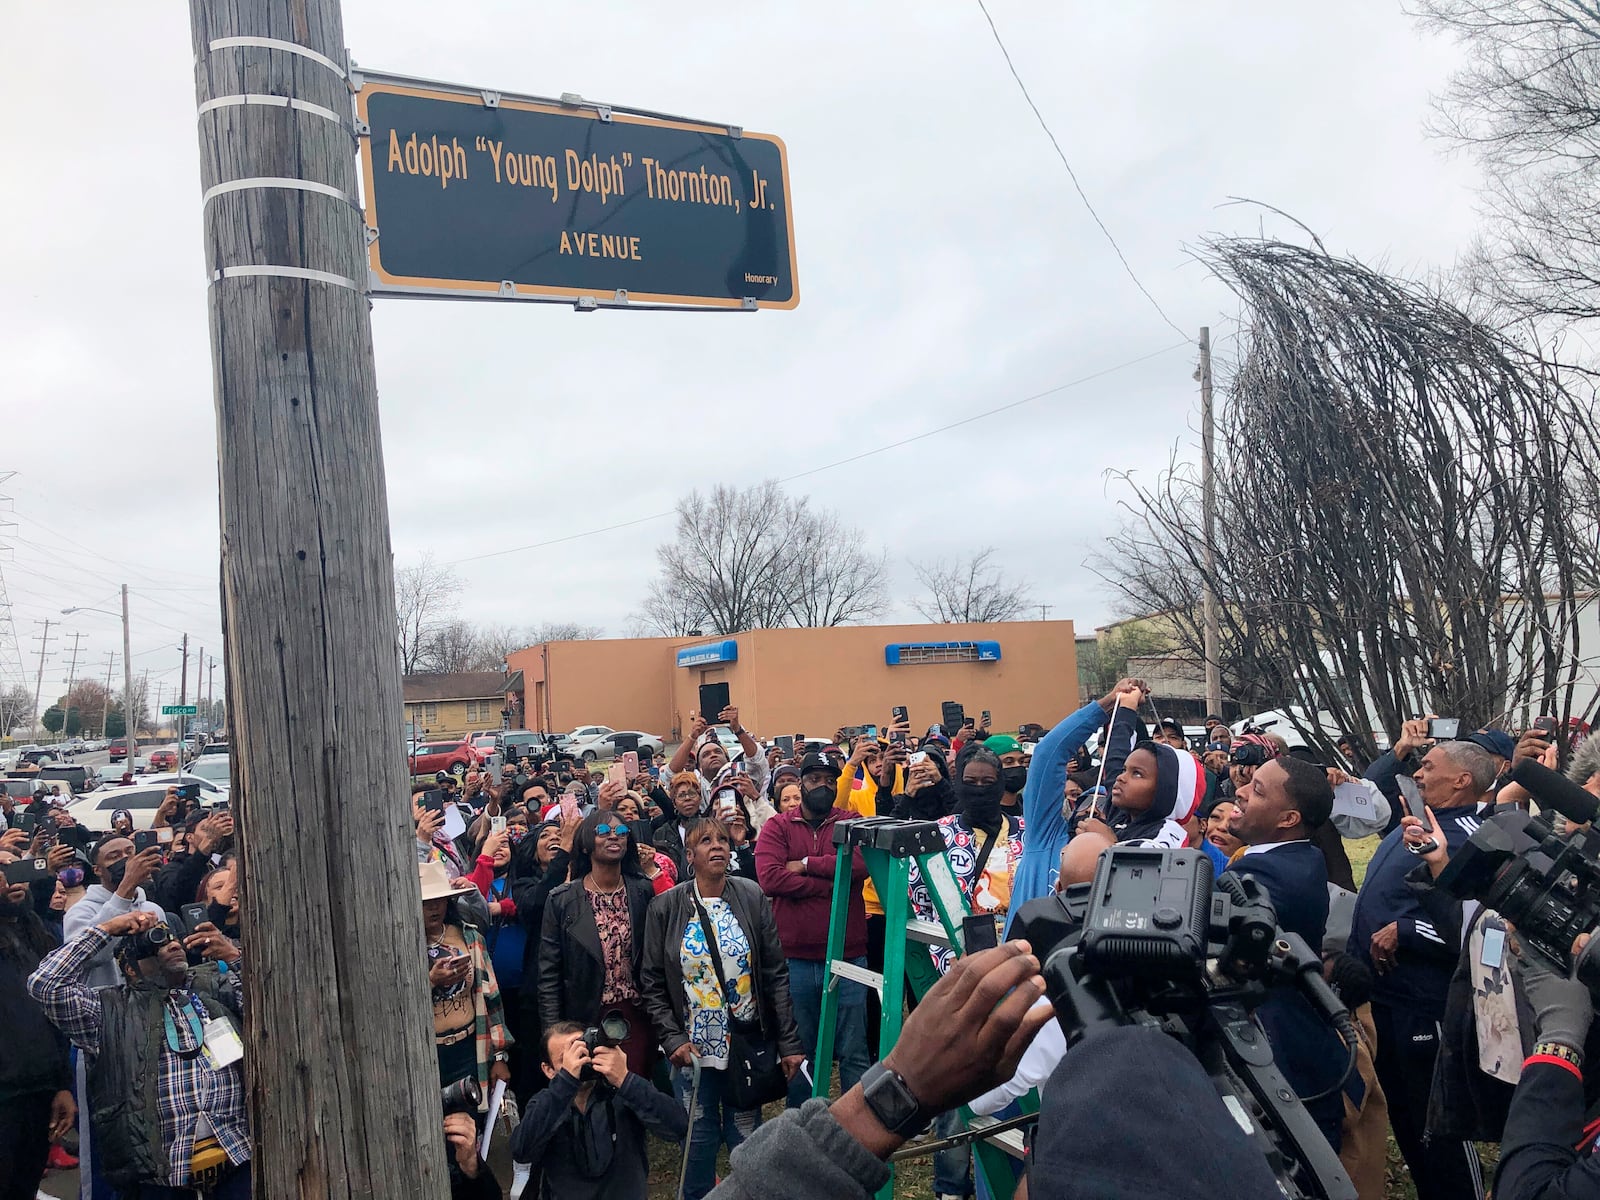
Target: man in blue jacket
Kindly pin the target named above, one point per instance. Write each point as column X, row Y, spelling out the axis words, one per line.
column 1044, row 824
column 1277, row 812
column 1412, row 952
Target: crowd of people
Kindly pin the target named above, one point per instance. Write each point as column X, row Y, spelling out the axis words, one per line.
column 643, row 954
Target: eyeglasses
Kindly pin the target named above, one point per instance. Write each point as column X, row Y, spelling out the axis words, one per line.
column 602, row 829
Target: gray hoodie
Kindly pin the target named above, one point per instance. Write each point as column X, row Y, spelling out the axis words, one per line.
column 101, row 904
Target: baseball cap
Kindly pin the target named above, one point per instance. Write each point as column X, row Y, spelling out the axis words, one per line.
column 1002, row 743
column 1495, row 741
column 818, row 762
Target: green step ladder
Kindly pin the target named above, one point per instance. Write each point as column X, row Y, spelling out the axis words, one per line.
column 889, row 847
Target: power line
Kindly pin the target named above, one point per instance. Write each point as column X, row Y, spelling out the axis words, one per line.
column 1073, row 175
column 572, row 537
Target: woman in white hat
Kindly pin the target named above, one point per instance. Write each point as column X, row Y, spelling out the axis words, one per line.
column 469, row 1027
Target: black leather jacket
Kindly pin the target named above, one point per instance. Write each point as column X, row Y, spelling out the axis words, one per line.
column 572, row 964
column 661, row 982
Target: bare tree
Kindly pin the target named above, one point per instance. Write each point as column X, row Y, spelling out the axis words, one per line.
column 971, row 589
column 16, row 707
column 1527, row 105
column 835, row 581
column 455, row 646
column 756, row 559
column 426, row 597
column 566, row 631
column 1406, row 506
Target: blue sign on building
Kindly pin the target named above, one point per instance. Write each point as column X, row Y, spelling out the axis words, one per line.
column 725, row 651
column 898, row 654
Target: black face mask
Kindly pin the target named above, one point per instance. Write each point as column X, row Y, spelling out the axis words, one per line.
column 217, row 914
column 111, row 876
column 1015, row 779
column 980, row 804
column 818, row 800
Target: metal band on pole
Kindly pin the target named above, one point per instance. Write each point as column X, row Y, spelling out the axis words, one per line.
column 258, row 98
column 286, row 273
column 271, row 181
column 277, row 44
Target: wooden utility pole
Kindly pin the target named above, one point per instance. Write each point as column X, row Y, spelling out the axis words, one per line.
column 130, row 726
column 72, row 677
column 44, row 640
column 183, row 673
column 1208, row 484
column 342, row 1071
column 105, row 705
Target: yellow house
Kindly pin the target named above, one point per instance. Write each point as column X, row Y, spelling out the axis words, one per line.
column 453, row 705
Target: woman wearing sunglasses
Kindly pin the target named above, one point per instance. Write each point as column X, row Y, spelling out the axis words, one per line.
column 591, row 942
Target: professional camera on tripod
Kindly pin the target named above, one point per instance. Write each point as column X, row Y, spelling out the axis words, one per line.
column 1154, row 940
column 1546, row 883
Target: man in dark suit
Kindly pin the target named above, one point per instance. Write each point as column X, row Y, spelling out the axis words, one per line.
column 1278, row 811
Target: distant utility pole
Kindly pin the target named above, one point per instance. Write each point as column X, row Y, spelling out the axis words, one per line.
column 44, row 639
column 1044, row 611
column 1208, row 485
column 72, row 675
column 130, row 727
column 183, row 673
column 342, row 1106
column 105, row 706
column 199, row 675
column 211, row 693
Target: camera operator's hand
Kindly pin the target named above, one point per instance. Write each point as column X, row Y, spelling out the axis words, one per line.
column 14, row 841
column 697, row 726
column 461, row 1136
column 140, row 867
column 988, row 998
column 610, row 792
column 683, row 1056
column 1413, row 736
column 211, row 831
column 569, row 831
column 1532, row 744
column 1563, row 1009
column 60, row 856
column 921, row 775
column 210, row 943
column 125, row 924
column 575, row 1059
column 611, row 1063
column 1415, row 831
column 449, row 970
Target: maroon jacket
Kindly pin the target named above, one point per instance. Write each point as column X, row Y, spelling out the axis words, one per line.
column 802, row 902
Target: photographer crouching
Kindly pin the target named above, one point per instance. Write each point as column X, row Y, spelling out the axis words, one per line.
column 586, row 1130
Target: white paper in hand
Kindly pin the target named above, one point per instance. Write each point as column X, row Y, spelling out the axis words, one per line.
column 495, row 1097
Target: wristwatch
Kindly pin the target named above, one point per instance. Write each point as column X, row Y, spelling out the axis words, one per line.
column 500, row 1056
column 891, row 1101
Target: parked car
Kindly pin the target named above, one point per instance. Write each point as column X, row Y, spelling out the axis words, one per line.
column 40, row 755
column 118, row 749
column 214, row 769
column 141, row 800
column 606, row 747
column 217, row 745
column 164, row 759
column 453, row 756
column 79, row 778
column 585, row 736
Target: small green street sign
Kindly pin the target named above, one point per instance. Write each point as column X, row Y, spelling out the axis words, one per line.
column 178, row 710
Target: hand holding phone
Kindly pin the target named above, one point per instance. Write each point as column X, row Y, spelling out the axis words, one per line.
column 569, row 807
column 630, row 765
column 497, row 824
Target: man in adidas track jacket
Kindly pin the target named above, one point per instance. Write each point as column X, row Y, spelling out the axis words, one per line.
column 1412, row 951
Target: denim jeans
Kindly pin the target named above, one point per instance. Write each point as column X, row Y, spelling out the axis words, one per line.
column 850, row 1037
column 952, row 1168
column 712, row 1122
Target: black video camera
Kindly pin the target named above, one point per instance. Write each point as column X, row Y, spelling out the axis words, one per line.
column 462, row 1096
column 613, row 1030
column 1154, row 940
column 1248, row 755
column 1542, row 881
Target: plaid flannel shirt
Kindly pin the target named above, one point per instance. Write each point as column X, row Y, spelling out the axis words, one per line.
column 187, row 1088
column 490, row 1035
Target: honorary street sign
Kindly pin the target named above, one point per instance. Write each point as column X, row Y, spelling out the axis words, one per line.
column 483, row 194
column 178, row 710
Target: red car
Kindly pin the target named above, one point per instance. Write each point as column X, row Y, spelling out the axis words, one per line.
column 163, row 760
column 453, row 756
column 118, row 750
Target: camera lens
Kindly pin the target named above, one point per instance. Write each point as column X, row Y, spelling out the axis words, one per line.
column 157, row 937
column 615, row 1026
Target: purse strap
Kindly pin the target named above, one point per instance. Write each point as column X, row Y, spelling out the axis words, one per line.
column 729, row 996
column 983, row 854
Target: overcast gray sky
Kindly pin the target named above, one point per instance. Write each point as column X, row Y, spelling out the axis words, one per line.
column 946, row 267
